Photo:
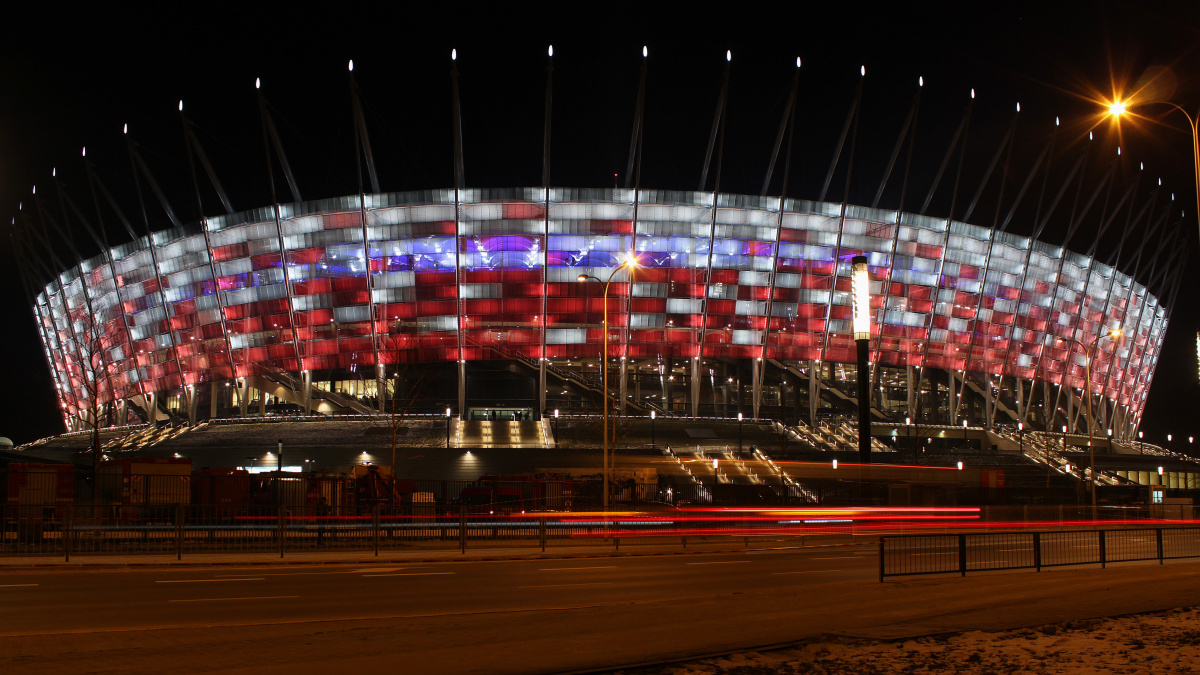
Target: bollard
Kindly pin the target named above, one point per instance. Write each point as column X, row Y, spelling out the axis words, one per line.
column 1103, row 557
column 1159, row 537
column 962, row 554
column 1037, row 551
column 282, row 529
column 542, row 532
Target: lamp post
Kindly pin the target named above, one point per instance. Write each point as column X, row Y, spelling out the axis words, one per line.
column 1118, row 108
column 739, row 433
column 447, row 428
column 1113, row 334
column 860, row 285
column 631, row 262
column 1021, row 434
column 653, row 414
column 556, row 427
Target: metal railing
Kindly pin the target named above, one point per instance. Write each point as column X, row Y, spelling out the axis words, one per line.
column 909, row 555
column 182, row 529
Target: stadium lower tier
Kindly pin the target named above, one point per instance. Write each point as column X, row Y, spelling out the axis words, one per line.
column 512, row 391
column 478, row 300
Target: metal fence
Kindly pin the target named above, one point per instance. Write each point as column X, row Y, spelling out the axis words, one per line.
column 907, row 555
column 186, row 529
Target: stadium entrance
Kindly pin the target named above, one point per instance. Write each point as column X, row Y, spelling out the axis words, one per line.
column 501, row 415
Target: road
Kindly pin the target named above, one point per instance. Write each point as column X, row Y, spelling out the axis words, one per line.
column 520, row 616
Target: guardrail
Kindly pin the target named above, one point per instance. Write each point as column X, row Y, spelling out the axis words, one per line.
column 116, row 529
column 910, row 555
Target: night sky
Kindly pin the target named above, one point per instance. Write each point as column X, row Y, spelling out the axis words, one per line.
column 68, row 80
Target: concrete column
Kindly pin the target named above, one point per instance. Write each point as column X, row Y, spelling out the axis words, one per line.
column 306, row 390
column 243, row 395
column 262, row 402
column 542, row 378
column 756, row 366
column 624, row 386
column 694, row 386
column 814, row 391
column 212, row 399
column 462, row 388
column 193, row 403
column 380, row 379
column 952, row 381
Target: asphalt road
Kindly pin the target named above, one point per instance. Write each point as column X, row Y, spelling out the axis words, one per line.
column 525, row 616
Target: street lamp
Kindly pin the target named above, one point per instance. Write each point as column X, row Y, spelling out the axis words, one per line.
column 1118, row 108
column 1021, row 434
column 739, row 433
column 630, row 261
column 860, row 289
column 556, row 427
column 1113, row 334
column 447, row 428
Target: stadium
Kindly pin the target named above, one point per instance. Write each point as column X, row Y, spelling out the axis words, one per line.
column 476, row 298
column 507, row 313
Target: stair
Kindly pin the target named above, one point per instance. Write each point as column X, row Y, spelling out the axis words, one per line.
column 485, row 434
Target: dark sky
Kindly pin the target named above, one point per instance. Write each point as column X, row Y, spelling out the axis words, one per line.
column 69, row 79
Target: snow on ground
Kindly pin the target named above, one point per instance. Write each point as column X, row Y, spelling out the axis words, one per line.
column 1163, row 642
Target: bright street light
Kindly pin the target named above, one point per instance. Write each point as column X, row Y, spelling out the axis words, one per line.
column 631, row 262
column 1113, row 334
column 1121, row 107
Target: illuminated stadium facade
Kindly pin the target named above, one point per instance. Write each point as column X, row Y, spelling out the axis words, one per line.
column 469, row 300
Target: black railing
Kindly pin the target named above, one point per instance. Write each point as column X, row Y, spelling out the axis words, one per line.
column 908, row 555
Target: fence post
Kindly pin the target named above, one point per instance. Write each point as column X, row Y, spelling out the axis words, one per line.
column 462, row 529
column 881, row 559
column 375, row 527
column 962, row 554
column 1037, row 551
column 1103, row 557
column 282, row 529
column 67, row 533
column 179, row 531
column 1158, row 534
column 542, row 532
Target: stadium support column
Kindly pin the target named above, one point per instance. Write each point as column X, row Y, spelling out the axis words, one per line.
column 462, row 388
column 624, row 385
column 545, row 228
column 542, row 384
column 694, row 386
column 756, row 367
column 306, row 390
column 243, row 392
column 860, row 280
column 814, row 390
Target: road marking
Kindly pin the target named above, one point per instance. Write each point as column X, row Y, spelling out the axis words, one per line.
column 840, row 557
column 379, row 569
column 16, row 585
column 718, row 562
column 562, row 569
column 261, row 597
column 588, row 583
column 196, row 581
column 409, row 574
column 807, row 572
